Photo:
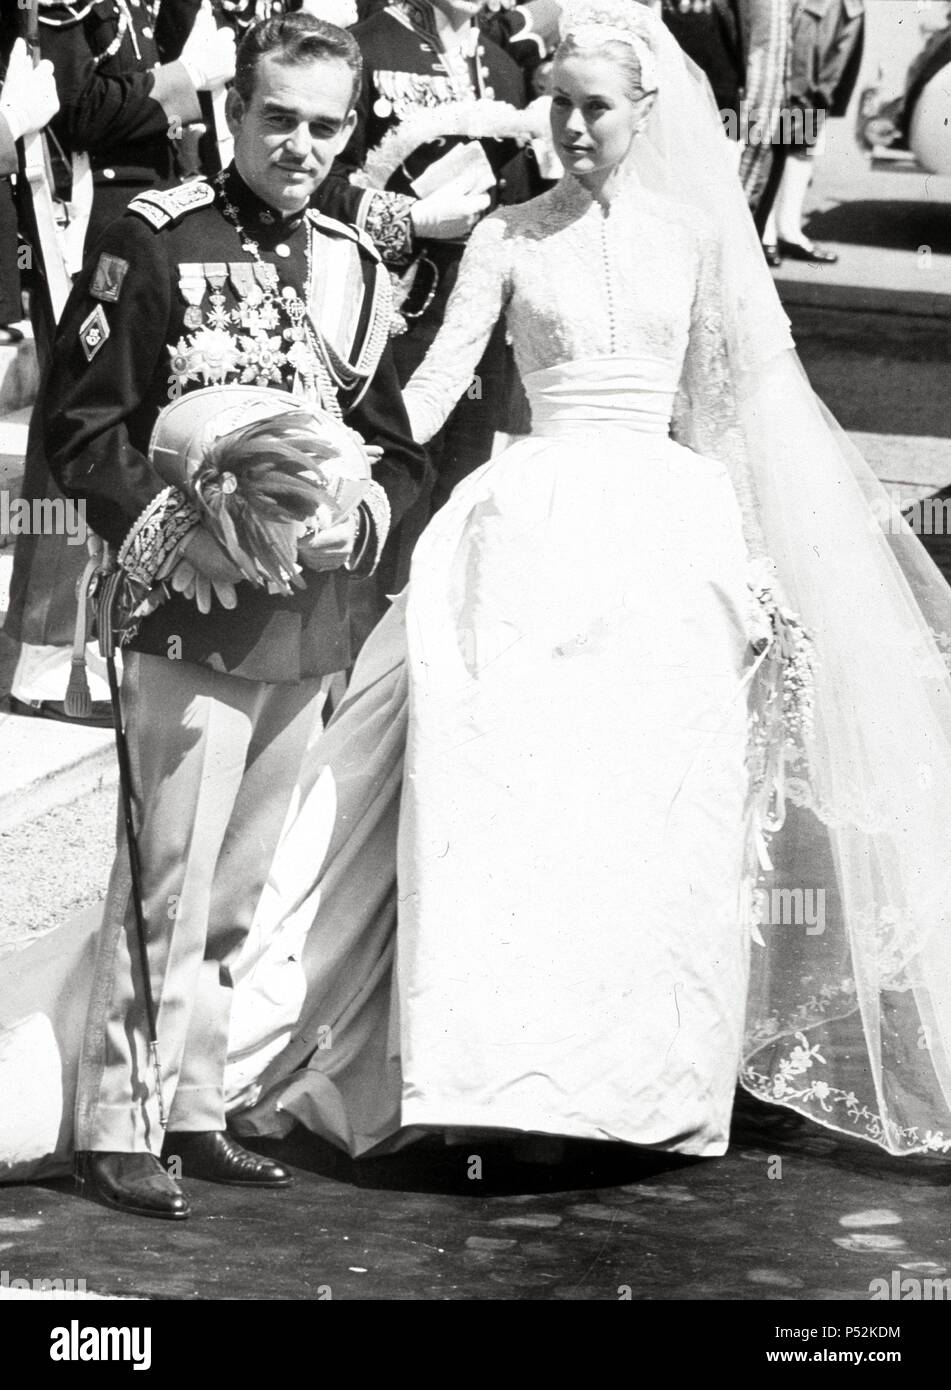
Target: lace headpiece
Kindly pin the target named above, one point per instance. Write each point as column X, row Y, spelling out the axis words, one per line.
column 591, row 23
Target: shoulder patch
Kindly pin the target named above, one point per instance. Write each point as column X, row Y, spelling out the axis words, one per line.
column 333, row 227
column 93, row 332
column 163, row 208
column 106, row 283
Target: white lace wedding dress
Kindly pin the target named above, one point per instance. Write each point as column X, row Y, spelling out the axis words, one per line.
column 568, row 663
column 559, row 699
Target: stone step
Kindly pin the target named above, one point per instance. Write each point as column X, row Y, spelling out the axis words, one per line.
column 14, row 427
column 19, row 372
column 45, row 763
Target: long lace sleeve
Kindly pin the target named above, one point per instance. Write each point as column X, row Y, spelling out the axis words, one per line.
column 705, row 416
column 480, row 295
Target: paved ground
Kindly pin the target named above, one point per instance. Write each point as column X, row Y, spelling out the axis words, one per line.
column 791, row 1213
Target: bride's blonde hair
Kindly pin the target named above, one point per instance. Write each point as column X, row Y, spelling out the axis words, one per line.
column 619, row 28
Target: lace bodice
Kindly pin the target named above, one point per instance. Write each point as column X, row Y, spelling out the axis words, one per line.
column 640, row 280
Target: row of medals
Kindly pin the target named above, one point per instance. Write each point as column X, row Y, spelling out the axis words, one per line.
column 260, row 299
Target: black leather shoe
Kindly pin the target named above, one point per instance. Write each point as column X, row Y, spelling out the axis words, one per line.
column 795, row 251
column 214, row 1156
column 100, row 716
column 136, row 1183
column 771, row 252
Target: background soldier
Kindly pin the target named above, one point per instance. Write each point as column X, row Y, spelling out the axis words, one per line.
column 27, row 102
column 827, row 38
column 128, row 84
column 423, row 56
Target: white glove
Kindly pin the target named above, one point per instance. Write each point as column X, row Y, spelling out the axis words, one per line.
column 448, row 214
column 28, row 100
column 203, row 569
column 331, row 547
column 208, row 55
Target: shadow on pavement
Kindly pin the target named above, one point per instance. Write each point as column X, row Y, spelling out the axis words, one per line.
column 899, row 226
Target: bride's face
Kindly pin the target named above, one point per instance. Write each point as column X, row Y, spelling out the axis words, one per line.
column 593, row 116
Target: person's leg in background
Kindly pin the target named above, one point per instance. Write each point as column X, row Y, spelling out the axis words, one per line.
column 790, row 239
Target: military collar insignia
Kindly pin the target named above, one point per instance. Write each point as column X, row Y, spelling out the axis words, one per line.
column 243, row 207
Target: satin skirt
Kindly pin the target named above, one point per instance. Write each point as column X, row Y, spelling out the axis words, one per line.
column 564, row 681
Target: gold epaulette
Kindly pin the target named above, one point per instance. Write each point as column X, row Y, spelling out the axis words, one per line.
column 164, row 207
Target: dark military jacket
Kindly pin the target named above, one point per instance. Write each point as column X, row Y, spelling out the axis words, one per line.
column 11, row 310
column 711, row 34
column 404, row 69
column 164, row 305
column 826, row 53
column 510, row 29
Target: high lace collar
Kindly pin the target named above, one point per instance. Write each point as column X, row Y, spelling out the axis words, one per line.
column 573, row 195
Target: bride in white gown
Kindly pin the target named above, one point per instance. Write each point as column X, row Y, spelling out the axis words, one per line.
column 520, row 885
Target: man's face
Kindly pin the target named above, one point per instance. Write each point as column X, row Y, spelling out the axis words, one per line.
column 287, row 136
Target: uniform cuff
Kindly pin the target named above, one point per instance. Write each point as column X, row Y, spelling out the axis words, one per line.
column 156, row 534
column 372, row 533
column 175, row 92
column 385, row 217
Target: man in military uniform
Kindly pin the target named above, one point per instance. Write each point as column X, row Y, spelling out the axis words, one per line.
column 429, row 56
column 128, row 75
column 711, row 33
column 27, row 102
column 200, row 286
column 527, row 30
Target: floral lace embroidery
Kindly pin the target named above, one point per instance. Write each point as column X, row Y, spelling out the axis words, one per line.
column 704, row 415
column 817, row 1098
column 831, row 998
column 575, row 282
column 897, row 944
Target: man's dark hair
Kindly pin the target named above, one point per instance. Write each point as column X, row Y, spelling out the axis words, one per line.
column 294, row 38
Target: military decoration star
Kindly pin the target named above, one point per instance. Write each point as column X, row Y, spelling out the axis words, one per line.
column 181, row 366
column 301, row 357
column 211, row 354
column 262, row 359
column 219, row 315
column 258, row 317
